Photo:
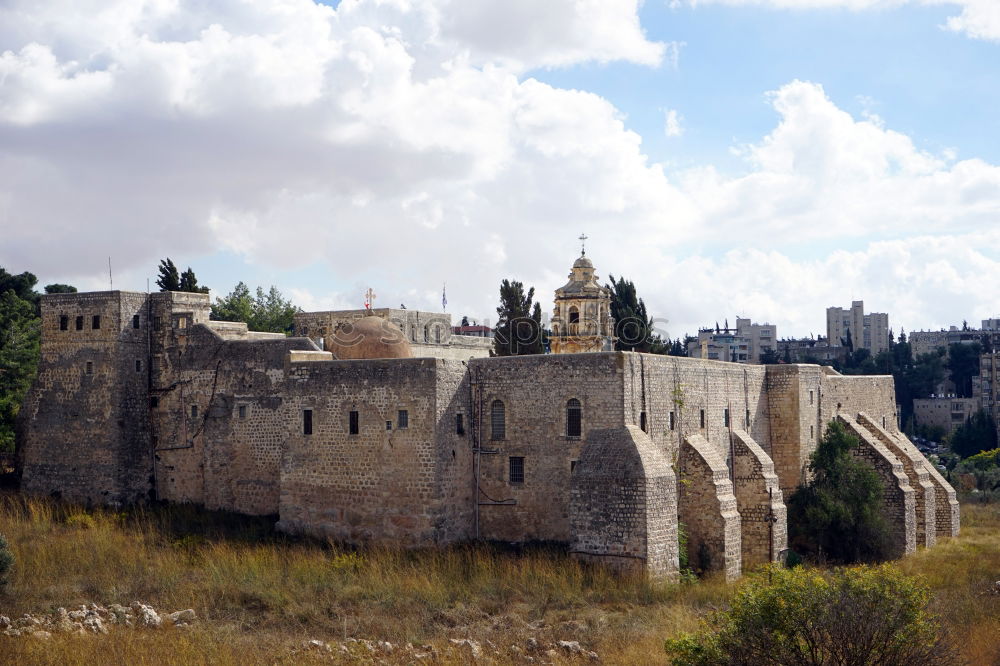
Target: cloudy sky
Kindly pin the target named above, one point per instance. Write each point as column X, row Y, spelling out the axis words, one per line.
column 764, row 158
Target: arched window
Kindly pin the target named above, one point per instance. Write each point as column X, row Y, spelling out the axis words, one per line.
column 413, row 332
column 498, row 422
column 427, row 333
column 574, row 418
column 574, row 315
column 437, row 334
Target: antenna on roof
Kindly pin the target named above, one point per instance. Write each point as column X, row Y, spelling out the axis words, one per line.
column 111, row 280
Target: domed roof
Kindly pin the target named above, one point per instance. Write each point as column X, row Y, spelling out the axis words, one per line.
column 368, row 338
column 583, row 262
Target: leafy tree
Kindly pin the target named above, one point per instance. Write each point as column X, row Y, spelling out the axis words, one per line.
column 19, row 351
column 169, row 279
column 269, row 311
column 519, row 325
column 963, row 365
column 633, row 326
column 770, row 356
column 273, row 312
column 189, row 283
column 837, row 515
column 6, row 562
column 60, row 289
column 848, row 616
column 978, row 433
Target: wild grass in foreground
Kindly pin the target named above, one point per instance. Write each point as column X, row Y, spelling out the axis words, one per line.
column 259, row 595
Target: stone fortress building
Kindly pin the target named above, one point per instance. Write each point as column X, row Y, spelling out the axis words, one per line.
column 381, row 426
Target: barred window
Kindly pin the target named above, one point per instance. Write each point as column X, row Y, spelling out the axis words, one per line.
column 63, row 322
column 516, row 469
column 498, row 425
column 574, row 418
column 403, row 419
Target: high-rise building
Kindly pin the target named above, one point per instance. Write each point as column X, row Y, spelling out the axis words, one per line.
column 868, row 331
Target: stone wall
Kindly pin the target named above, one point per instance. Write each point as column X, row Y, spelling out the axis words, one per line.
column 795, row 398
column 383, row 483
column 84, row 422
column 898, row 503
column 535, row 392
column 915, row 466
column 764, row 528
column 707, row 507
column 623, row 507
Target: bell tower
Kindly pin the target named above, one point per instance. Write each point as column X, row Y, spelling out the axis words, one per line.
column 581, row 318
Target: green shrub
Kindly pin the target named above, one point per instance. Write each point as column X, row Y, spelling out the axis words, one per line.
column 849, row 616
column 837, row 516
column 83, row 521
column 6, row 561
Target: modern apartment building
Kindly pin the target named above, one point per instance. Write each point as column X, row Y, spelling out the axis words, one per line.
column 744, row 344
column 868, row 331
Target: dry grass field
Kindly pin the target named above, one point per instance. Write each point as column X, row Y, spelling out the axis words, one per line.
column 259, row 596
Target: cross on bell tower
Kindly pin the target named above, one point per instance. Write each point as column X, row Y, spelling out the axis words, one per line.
column 583, row 244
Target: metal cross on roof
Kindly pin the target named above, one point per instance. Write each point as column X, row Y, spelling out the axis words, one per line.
column 369, row 299
column 583, row 246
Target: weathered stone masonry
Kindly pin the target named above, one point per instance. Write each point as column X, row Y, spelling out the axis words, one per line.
column 140, row 396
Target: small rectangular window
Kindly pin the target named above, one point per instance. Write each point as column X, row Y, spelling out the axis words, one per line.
column 703, row 418
column 307, row 421
column 79, row 323
column 459, row 424
column 157, row 323
column 138, row 365
column 642, row 421
column 672, row 423
column 95, row 322
column 572, row 466
column 403, row 419
column 811, row 396
column 154, row 402
column 516, row 469
column 746, row 422
column 135, row 321
column 242, row 411
column 63, row 322
column 194, row 411
column 388, row 425
column 812, row 432
column 352, row 423
column 90, row 367
column 725, row 417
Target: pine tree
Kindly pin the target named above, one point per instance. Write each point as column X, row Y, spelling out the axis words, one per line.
column 519, row 325
column 169, row 279
column 189, row 283
column 633, row 327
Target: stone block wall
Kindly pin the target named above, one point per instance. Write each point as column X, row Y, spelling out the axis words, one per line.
column 380, row 484
column 946, row 508
column 623, row 508
column 915, row 467
column 795, row 398
column 683, row 396
column 899, row 505
column 708, row 509
column 84, row 422
column 763, row 517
